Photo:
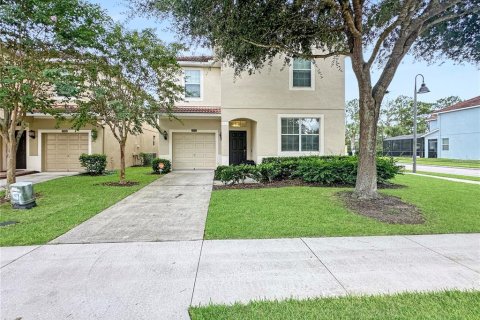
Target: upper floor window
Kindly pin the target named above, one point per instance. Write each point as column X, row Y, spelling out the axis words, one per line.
column 301, row 74
column 300, row 134
column 192, row 84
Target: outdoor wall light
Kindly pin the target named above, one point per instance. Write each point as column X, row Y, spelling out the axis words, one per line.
column 31, row 134
column 164, row 134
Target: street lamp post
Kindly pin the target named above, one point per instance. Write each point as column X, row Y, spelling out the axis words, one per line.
column 423, row 89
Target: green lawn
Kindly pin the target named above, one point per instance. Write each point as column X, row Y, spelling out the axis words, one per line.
column 65, row 203
column 448, row 207
column 447, row 175
column 442, row 162
column 411, row 306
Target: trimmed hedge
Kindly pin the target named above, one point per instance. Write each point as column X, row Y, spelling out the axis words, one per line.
column 161, row 165
column 328, row 170
column 94, row 164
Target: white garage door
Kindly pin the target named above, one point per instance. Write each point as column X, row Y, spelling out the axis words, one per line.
column 193, row 150
column 62, row 151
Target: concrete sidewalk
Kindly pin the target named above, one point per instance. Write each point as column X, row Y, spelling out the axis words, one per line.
column 38, row 177
column 449, row 170
column 444, row 178
column 171, row 208
column 160, row 280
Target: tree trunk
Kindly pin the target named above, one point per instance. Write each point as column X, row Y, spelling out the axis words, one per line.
column 122, row 163
column 11, row 162
column 366, row 185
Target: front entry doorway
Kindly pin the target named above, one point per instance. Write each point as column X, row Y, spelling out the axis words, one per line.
column 21, row 159
column 238, row 147
column 432, row 148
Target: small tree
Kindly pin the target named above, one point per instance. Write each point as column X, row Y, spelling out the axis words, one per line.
column 248, row 34
column 352, row 125
column 125, row 81
column 39, row 44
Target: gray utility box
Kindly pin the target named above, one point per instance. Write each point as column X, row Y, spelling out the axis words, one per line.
column 22, row 195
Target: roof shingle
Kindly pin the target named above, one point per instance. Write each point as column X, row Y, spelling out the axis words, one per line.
column 462, row 105
column 195, row 58
column 196, row 109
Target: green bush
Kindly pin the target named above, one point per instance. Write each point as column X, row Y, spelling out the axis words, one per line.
column 328, row 171
column 323, row 169
column 387, row 169
column 234, row 174
column 94, row 164
column 161, row 165
column 218, row 172
column 147, row 158
column 268, row 172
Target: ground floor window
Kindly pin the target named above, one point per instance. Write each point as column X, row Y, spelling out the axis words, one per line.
column 300, row 134
column 445, row 144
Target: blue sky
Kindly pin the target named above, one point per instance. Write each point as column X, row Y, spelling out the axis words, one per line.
column 443, row 79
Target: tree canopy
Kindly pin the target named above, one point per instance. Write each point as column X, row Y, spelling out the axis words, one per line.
column 130, row 82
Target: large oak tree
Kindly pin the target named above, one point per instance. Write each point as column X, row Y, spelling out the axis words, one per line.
column 373, row 34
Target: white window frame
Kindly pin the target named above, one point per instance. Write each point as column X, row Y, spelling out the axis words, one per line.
column 201, row 84
column 321, row 132
column 312, row 78
column 446, row 144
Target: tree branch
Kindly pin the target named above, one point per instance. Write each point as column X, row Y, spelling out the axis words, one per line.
column 348, row 19
column 449, row 17
column 388, row 30
column 307, row 56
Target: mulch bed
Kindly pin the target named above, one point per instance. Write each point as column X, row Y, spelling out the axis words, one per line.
column 118, row 184
column 294, row 183
column 386, row 208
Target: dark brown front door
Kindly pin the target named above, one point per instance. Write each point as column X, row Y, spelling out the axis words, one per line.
column 238, row 147
column 22, row 152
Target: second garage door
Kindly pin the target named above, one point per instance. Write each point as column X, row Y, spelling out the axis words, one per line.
column 194, row 150
column 62, row 151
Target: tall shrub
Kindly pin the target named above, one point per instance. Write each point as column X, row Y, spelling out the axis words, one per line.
column 94, row 164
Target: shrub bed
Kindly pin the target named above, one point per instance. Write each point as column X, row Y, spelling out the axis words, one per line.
column 147, row 158
column 94, row 164
column 327, row 170
column 161, row 165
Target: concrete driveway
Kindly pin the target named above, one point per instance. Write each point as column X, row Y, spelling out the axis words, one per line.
column 171, row 208
column 39, row 177
column 160, row 280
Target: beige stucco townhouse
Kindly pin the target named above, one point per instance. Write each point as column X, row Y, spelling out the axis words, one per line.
column 279, row 111
column 50, row 146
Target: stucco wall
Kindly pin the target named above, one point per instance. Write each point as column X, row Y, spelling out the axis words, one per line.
column 210, row 87
column 270, row 88
column 462, row 128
